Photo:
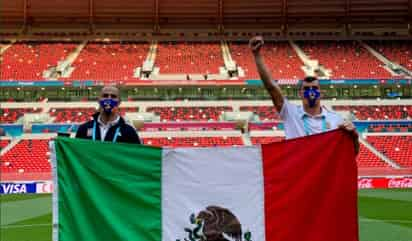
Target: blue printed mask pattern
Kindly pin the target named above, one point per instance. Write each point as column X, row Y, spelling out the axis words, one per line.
column 108, row 105
column 312, row 95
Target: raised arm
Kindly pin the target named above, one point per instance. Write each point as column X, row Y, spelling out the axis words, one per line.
column 275, row 92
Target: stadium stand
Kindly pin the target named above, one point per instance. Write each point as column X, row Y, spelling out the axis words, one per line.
column 398, row 148
column 187, row 126
column 349, row 59
column 12, row 115
column 4, row 143
column 382, row 112
column 27, row 156
column 399, row 52
column 189, row 113
column 265, row 113
column 28, row 60
column 109, row 61
column 79, row 115
column 265, row 139
column 367, row 158
column 390, row 128
column 189, row 58
column 193, row 141
column 76, row 115
column 263, row 125
column 280, row 58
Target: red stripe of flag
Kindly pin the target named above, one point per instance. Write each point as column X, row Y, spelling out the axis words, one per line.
column 311, row 189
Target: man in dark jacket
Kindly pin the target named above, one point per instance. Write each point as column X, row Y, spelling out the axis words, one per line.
column 107, row 124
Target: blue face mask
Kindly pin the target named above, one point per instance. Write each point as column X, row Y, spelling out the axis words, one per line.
column 312, row 95
column 108, row 105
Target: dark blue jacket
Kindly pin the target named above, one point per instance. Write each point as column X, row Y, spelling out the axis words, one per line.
column 127, row 133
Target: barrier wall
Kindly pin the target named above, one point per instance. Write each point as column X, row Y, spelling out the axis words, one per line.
column 52, row 128
column 47, row 187
column 375, row 183
column 251, row 82
column 12, row 129
column 26, row 187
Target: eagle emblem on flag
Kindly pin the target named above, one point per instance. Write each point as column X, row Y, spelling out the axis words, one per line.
column 215, row 224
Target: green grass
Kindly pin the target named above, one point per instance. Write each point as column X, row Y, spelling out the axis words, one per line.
column 384, row 215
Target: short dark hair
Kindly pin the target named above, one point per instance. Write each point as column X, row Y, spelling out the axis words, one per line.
column 308, row 79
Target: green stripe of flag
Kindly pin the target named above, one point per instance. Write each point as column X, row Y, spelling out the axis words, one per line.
column 119, row 186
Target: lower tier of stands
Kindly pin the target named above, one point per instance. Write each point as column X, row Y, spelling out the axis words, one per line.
column 32, row 155
column 193, row 141
column 397, row 148
column 189, row 113
column 27, row 156
column 381, row 112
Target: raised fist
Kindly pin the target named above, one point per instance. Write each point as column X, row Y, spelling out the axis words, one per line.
column 256, row 43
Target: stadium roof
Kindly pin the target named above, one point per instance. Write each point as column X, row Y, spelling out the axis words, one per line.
column 206, row 16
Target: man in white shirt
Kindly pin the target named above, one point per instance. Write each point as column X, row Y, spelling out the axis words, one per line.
column 309, row 118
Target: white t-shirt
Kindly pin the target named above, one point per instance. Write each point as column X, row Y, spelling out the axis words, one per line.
column 298, row 123
column 104, row 128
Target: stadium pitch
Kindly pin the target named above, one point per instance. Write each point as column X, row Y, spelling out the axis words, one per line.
column 384, row 215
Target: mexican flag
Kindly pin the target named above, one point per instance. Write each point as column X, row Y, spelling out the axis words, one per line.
column 300, row 189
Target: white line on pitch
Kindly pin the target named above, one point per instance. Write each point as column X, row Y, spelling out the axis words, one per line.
column 26, row 225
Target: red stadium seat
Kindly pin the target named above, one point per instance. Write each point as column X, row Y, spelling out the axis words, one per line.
column 27, row 156
column 194, row 141
column 266, row 139
column 265, row 112
column 397, row 51
column 390, row 128
column 381, row 112
column 189, row 58
column 4, row 143
column 397, row 148
column 12, row 115
column 109, row 61
column 346, row 59
column 28, row 60
column 80, row 115
column 367, row 158
column 189, row 113
column 280, row 58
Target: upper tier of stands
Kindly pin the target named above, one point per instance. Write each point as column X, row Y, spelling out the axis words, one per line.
column 189, row 58
column 114, row 61
column 118, row 61
column 280, row 58
column 28, row 61
column 396, row 51
column 346, row 59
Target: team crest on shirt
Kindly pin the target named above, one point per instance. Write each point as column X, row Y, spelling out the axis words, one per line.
column 215, row 224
